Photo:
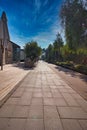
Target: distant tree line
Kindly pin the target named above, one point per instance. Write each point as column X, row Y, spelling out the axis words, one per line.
column 53, row 52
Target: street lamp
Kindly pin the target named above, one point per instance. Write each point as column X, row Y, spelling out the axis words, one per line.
column 1, row 43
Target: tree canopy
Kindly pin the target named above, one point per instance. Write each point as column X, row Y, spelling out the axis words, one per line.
column 53, row 52
column 32, row 50
column 74, row 20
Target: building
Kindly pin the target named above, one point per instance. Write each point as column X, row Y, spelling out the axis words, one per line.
column 22, row 55
column 16, row 52
column 11, row 50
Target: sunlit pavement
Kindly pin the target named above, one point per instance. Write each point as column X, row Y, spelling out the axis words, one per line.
column 43, row 101
column 11, row 75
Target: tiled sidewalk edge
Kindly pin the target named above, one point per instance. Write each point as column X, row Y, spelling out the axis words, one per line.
column 7, row 94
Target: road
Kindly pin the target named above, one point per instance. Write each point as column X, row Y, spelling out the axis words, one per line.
column 44, row 101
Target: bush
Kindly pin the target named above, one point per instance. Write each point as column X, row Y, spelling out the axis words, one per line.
column 81, row 68
column 70, row 65
column 67, row 64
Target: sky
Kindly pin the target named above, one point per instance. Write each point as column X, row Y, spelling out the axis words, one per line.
column 29, row 20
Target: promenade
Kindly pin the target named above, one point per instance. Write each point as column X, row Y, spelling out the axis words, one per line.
column 11, row 75
column 42, row 101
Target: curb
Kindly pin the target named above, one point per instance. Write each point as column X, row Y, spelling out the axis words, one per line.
column 4, row 99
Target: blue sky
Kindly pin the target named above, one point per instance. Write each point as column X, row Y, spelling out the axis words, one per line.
column 32, row 20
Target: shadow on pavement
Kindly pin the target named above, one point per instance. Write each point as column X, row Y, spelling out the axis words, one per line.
column 21, row 66
column 72, row 73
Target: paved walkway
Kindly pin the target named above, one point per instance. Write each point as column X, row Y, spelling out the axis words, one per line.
column 9, row 78
column 43, row 101
column 75, row 80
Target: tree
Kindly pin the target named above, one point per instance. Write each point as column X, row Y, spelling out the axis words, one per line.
column 32, row 51
column 58, row 43
column 49, row 54
column 74, row 19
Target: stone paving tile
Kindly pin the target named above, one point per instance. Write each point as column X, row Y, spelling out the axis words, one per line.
column 58, row 83
column 63, row 90
column 37, row 90
column 34, row 124
column 4, row 123
column 7, row 110
column 53, row 86
column 50, row 112
column 49, row 101
column 47, row 94
column 70, row 100
column 65, row 85
column 27, row 95
column 30, row 90
column 57, row 95
column 38, row 86
column 17, row 94
column 83, row 104
column 25, row 101
column 37, row 101
column 21, row 112
column 19, row 89
column 46, row 89
column 70, row 90
column 54, row 90
column 60, row 86
column 83, row 124
column 71, row 124
column 44, row 84
column 35, row 112
column 53, row 124
column 72, row 112
column 12, row 101
column 76, row 96
column 60, row 102
column 37, row 94
column 27, row 85
column 16, row 124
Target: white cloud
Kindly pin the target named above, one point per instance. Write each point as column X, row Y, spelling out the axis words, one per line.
column 44, row 38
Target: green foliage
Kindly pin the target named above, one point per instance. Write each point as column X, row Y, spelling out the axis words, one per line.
column 70, row 65
column 49, row 53
column 67, row 64
column 32, row 50
column 81, row 68
column 79, row 56
column 58, row 43
column 53, row 52
column 74, row 19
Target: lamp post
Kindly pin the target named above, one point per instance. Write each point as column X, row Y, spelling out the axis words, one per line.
column 1, row 43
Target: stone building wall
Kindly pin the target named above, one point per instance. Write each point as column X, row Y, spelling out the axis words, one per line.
column 11, row 50
column 9, row 53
